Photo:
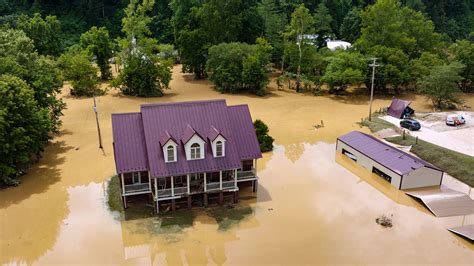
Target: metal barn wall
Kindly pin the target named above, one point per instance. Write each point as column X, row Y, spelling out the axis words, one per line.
column 422, row 177
column 369, row 163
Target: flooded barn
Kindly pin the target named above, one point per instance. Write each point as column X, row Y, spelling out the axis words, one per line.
column 399, row 168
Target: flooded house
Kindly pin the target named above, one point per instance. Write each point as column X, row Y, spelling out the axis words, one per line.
column 186, row 151
column 400, row 169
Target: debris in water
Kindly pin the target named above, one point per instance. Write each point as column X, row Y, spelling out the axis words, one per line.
column 270, row 209
column 384, row 221
column 77, row 148
column 320, row 125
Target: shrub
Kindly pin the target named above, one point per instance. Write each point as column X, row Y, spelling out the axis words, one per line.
column 265, row 141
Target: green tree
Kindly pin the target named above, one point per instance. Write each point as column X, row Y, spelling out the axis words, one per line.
column 345, row 68
column 441, row 86
column 97, row 43
column 265, row 140
column 45, row 33
column 297, row 36
column 143, row 74
column 463, row 51
column 78, row 69
column 143, row 77
column 192, row 47
column 24, row 128
column 350, row 27
column 322, row 24
column 19, row 58
column 234, row 67
column 274, row 24
column 422, row 66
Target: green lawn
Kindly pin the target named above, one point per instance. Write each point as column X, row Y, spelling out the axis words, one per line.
column 376, row 124
column 456, row 164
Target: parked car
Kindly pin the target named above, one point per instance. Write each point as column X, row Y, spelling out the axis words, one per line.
column 410, row 124
column 455, row 120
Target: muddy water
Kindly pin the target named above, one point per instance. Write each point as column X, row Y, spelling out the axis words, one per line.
column 311, row 206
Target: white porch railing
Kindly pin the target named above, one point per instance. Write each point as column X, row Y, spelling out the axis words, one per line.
column 164, row 193
column 180, row 191
column 134, row 188
column 212, row 186
column 246, row 175
column 228, row 184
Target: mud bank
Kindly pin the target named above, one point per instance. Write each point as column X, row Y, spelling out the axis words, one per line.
column 310, row 208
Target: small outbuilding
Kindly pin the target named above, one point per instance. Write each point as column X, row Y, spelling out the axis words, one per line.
column 400, row 109
column 402, row 170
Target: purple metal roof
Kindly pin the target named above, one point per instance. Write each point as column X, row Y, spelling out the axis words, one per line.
column 394, row 159
column 213, row 133
column 186, row 119
column 129, row 143
column 244, row 132
column 397, row 107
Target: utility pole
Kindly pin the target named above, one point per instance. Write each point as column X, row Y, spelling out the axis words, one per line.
column 97, row 120
column 373, row 65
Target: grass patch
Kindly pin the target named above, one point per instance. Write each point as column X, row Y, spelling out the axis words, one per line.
column 456, row 164
column 376, row 124
column 227, row 217
column 114, row 201
column 181, row 218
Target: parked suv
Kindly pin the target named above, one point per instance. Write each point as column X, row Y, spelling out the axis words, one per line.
column 410, row 124
column 455, row 120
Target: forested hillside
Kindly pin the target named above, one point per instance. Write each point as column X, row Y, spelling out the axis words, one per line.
column 454, row 18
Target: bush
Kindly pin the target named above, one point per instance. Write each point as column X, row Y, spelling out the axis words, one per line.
column 265, row 141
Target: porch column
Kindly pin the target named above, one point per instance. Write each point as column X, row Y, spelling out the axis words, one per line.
column 139, row 177
column 235, row 178
column 255, row 168
column 205, row 182
column 156, row 189
column 149, row 180
column 123, row 184
column 220, row 180
column 189, row 185
column 172, row 186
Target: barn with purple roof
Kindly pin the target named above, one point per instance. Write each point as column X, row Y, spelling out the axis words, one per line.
column 185, row 152
column 401, row 169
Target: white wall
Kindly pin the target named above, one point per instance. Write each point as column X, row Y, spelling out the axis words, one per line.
column 165, row 150
column 368, row 163
column 422, row 177
column 218, row 138
column 187, row 146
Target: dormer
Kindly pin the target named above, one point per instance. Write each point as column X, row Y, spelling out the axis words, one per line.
column 194, row 145
column 218, row 142
column 170, row 148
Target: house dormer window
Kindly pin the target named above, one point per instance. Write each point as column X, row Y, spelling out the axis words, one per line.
column 219, row 149
column 195, row 151
column 170, row 153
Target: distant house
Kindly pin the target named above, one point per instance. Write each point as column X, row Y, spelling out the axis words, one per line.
column 400, row 169
column 185, row 151
column 335, row 44
column 400, row 109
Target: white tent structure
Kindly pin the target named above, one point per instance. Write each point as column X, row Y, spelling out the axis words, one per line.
column 333, row 45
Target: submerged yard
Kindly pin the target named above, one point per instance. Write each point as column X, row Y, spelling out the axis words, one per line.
column 311, row 206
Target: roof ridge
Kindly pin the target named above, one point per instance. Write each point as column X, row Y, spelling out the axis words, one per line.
column 181, row 103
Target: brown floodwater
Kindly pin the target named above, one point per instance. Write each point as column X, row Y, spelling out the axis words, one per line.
column 311, row 207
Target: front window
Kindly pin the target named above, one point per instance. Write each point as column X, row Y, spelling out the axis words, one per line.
column 170, row 154
column 219, row 152
column 195, row 151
